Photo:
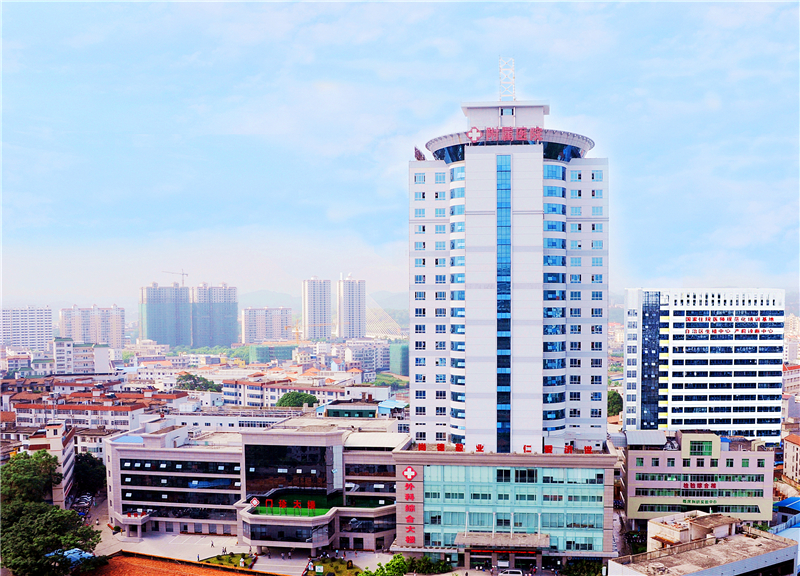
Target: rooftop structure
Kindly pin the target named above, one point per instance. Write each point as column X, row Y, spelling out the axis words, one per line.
column 708, row 545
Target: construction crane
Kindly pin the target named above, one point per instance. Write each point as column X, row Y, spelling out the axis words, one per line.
column 296, row 330
column 182, row 274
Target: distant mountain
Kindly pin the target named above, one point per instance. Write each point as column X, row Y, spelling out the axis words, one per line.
column 268, row 298
column 391, row 300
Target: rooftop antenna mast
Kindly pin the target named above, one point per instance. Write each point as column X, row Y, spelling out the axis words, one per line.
column 507, row 80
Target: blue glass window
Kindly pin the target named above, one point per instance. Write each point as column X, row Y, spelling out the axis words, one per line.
column 457, row 173
column 597, row 193
column 575, row 295
column 555, row 261
column 597, row 261
column 457, row 261
column 555, row 191
column 574, row 175
column 553, row 329
column 575, row 261
column 441, row 278
column 440, row 213
column 574, row 278
column 554, row 278
column 555, row 172
column 419, row 262
column 597, row 210
column 457, row 295
column 554, row 312
column 597, row 175
column 574, row 227
column 555, row 243
column 555, row 294
column 456, row 226
column 419, row 196
column 575, row 194
column 554, row 226
column 419, row 279
column 457, row 193
column 457, row 210
column 457, row 278
column 555, row 209
column 419, row 212
column 441, row 229
column 597, row 244
column 440, row 178
column 575, row 211
column 419, row 178
column 597, row 295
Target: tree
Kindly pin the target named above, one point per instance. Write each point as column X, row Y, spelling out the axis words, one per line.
column 90, row 474
column 192, row 382
column 29, row 478
column 32, row 530
column 614, row 403
column 297, row 399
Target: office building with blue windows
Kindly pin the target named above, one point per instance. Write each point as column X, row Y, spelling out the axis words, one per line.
column 706, row 359
column 508, row 276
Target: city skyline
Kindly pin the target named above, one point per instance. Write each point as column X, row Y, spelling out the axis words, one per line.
column 143, row 138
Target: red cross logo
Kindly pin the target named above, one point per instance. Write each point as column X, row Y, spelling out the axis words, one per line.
column 474, row 135
column 409, row 473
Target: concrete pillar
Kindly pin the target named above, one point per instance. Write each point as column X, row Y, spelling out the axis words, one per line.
column 466, row 558
column 494, row 559
column 511, row 559
column 539, row 562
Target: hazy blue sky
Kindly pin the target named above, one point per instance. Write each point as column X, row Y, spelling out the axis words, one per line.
column 260, row 144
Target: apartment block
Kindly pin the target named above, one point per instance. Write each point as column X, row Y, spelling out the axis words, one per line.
column 93, row 325
column 351, row 310
column 29, row 328
column 266, row 324
column 215, row 311
column 317, row 309
column 165, row 314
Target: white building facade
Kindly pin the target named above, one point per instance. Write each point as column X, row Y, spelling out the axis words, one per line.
column 351, row 311
column 29, row 328
column 316, row 309
column 508, row 283
column 704, row 358
column 266, row 324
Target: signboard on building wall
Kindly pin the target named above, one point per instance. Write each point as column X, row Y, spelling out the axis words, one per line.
column 410, row 500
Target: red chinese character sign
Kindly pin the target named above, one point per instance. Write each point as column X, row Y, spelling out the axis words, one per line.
column 504, row 134
column 411, row 519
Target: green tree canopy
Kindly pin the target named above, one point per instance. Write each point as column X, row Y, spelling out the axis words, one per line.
column 193, row 382
column 90, row 474
column 297, row 399
column 614, row 403
column 31, row 530
column 28, row 478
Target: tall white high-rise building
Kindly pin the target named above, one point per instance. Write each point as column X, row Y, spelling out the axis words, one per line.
column 351, row 308
column 509, row 285
column 93, row 325
column 705, row 358
column 266, row 324
column 316, row 309
column 29, row 327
